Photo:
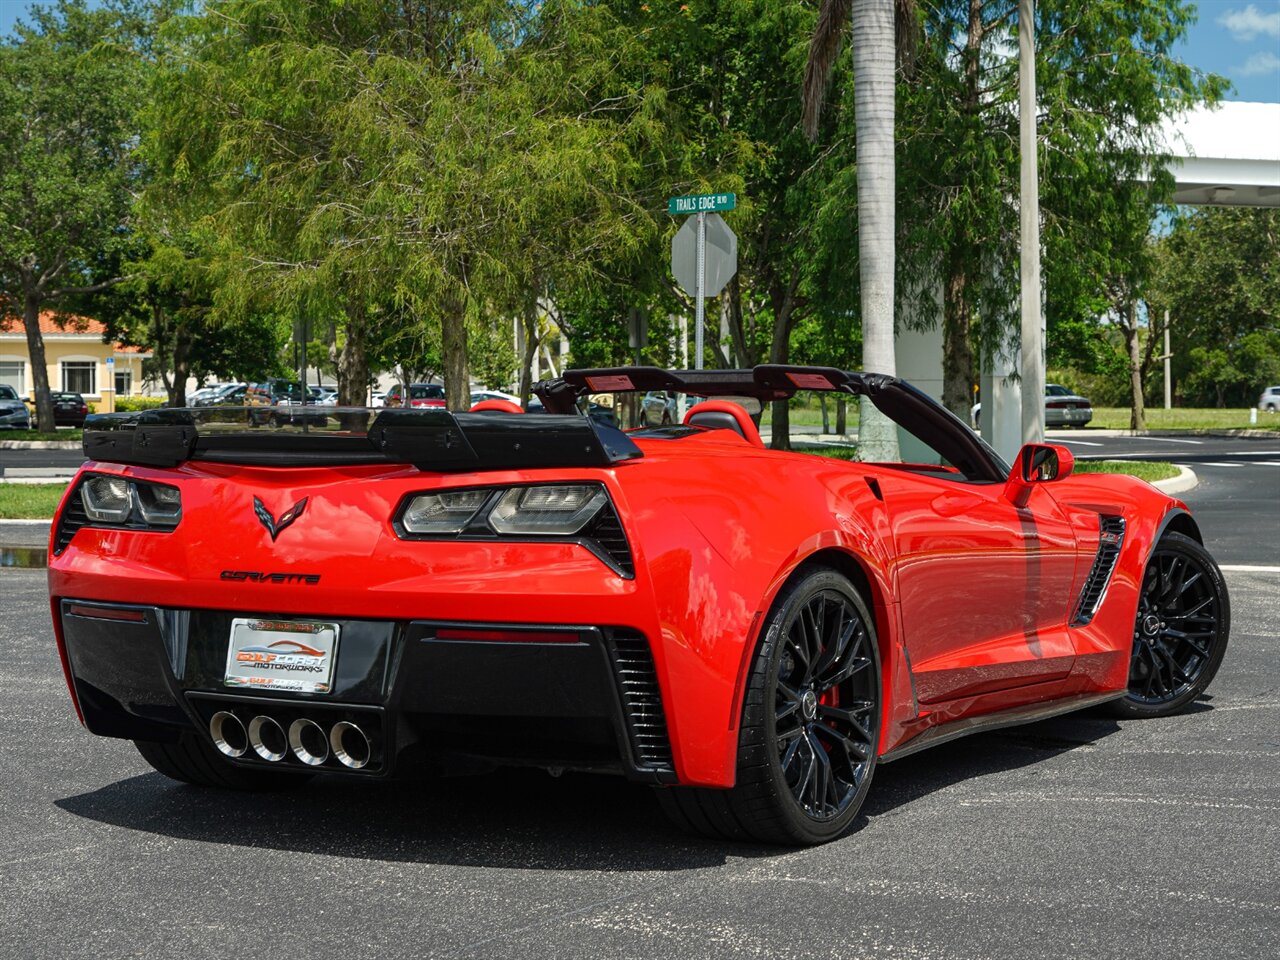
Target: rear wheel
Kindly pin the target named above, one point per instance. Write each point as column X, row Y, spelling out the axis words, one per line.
column 1180, row 636
column 810, row 723
column 192, row 760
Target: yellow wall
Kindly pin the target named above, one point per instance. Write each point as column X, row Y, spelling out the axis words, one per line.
column 60, row 348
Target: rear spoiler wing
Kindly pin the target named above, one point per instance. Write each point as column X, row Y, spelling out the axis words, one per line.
column 431, row 440
column 765, row 382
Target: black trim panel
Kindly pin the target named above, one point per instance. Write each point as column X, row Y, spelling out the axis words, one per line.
column 946, row 732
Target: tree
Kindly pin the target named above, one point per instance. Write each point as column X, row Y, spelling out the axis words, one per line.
column 71, row 81
column 1107, row 76
column 401, row 163
column 874, row 49
column 1217, row 272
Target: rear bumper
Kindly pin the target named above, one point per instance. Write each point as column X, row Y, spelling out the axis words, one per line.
column 590, row 702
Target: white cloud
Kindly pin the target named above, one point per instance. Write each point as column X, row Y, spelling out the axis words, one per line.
column 1260, row 64
column 1251, row 22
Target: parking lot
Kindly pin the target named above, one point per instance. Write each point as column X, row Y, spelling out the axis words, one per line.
column 1076, row 837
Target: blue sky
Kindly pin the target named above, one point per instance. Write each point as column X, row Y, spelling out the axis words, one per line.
column 1240, row 40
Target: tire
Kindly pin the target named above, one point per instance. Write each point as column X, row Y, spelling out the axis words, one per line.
column 193, row 760
column 1180, row 635
column 806, row 785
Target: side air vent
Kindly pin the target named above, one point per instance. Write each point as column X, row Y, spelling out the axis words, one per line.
column 1110, row 539
column 641, row 700
column 605, row 532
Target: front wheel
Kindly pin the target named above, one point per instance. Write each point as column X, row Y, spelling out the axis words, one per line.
column 810, row 723
column 1180, row 635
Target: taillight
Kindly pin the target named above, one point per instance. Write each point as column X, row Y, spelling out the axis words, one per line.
column 84, row 408
column 569, row 512
column 1058, row 405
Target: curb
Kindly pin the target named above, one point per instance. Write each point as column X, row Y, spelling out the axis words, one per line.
column 1191, row 432
column 41, row 445
column 1184, row 481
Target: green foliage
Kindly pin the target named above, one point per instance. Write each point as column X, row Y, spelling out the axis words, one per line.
column 1217, row 271
column 71, row 83
column 30, row 501
column 134, row 404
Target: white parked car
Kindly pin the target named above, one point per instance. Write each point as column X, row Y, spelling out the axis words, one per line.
column 1269, row 402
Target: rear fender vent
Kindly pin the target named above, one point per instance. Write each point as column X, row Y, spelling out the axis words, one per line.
column 1110, row 539
column 641, row 701
column 72, row 519
column 609, row 542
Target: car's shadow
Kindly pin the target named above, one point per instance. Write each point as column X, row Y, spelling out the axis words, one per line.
column 523, row 818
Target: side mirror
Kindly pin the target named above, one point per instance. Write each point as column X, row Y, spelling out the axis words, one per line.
column 1037, row 463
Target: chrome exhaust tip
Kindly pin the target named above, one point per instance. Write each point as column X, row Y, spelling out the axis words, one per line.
column 228, row 734
column 350, row 745
column 308, row 742
column 267, row 738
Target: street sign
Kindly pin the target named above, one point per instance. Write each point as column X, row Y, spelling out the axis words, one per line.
column 721, row 256
column 701, row 203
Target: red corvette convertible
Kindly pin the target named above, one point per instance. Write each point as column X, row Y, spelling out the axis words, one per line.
column 750, row 631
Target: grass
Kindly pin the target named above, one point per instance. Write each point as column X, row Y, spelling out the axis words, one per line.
column 1149, row 470
column 30, row 436
column 1144, row 470
column 30, row 501
column 1184, row 418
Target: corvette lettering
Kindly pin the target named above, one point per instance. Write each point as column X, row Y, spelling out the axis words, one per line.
column 254, row 576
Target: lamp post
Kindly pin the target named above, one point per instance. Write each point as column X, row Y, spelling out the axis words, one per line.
column 1029, row 207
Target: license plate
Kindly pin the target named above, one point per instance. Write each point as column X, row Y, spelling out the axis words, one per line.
column 294, row 655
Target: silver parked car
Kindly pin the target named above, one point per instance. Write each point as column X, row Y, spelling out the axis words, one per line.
column 13, row 412
column 1062, row 408
column 1269, row 402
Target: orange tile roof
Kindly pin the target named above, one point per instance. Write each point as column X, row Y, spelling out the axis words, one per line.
column 53, row 323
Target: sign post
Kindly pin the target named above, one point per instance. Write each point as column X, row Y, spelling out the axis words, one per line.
column 704, row 254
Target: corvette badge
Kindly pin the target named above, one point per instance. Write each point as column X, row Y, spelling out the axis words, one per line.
column 274, row 526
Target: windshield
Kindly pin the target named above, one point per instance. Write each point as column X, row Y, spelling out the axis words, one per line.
column 8, row 393
column 429, row 391
column 1053, row 390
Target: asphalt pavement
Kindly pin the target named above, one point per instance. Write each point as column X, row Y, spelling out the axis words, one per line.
column 1076, row 837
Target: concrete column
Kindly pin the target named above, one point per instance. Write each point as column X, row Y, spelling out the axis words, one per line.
column 918, row 353
column 1001, row 417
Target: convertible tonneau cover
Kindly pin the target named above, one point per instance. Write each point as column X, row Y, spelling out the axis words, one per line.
column 434, row 440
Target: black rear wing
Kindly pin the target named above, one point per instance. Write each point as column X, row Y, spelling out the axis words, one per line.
column 765, row 382
column 431, row 440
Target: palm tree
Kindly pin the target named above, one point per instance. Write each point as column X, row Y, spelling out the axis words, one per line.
column 875, row 47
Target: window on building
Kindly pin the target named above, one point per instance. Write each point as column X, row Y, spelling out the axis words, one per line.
column 124, row 383
column 80, row 376
column 13, row 373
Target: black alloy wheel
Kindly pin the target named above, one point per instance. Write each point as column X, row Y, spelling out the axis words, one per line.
column 810, row 725
column 1181, row 631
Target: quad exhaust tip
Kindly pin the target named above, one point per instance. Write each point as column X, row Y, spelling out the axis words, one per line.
column 267, row 738
column 228, row 734
column 350, row 745
column 308, row 742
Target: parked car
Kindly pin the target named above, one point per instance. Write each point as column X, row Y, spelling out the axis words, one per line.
column 1062, row 408
column 220, row 395
column 281, row 396
column 749, row 631
column 377, row 399
column 13, row 412
column 1269, row 402
column 487, row 394
column 659, row 408
column 69, row 410
column 421, row 396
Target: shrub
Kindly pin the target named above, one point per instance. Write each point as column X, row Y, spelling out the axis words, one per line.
column 134, row 404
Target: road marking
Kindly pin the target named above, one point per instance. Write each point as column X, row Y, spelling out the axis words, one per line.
column 1247, row 568
column 1075, row 443
column 1168, row 440
column 1218, row 463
